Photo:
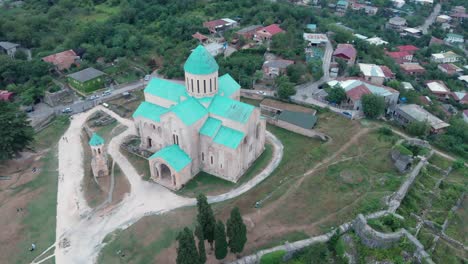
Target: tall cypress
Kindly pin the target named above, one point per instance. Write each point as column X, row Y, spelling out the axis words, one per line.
column 201, row 244
column 187, row 251
column 236, row 231
column 206, row 218
column 220, row 241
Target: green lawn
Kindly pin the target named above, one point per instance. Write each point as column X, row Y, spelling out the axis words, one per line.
column 139, row 163
column 39, row 222
column 211, row 185
column 440, row 161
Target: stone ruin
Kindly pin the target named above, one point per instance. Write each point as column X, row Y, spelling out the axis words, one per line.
column 401, row 161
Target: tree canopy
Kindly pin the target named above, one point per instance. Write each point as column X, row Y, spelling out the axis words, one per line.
column 220, row 241
column 373, row 105
column 336, row 95
column 236, row 231
column 15, row 131
column 285, row 87
column 205, row 218
column 186, row 250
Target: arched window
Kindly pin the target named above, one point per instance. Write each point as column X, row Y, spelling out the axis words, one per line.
column 211, row 86
column 204, row 86
column 211, row 160
column 154, row 127
column 257, row 131
column 198, row 86
column 99, row 150
column 202, row 156
column 191, row 80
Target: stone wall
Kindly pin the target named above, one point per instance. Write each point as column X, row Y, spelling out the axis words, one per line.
column 297, row 129
column 373, row 238
column 54, row 99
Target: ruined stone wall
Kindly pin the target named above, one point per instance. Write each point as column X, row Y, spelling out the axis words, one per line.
column 373, row 238
column 54, row 99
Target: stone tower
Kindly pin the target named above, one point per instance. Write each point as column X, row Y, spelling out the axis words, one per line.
column 99, row 160
column 201, row 73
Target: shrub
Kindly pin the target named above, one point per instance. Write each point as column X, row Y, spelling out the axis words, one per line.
column 403, row 150
column 275, row 257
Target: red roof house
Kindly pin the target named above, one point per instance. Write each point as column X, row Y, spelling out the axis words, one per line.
column 449, row 68
column 408, row 48
column 346, row 52
column 6, row 95
column 200, row 37
column 266, row 33
column 412, row 68
column 62, row 60
column 436, row 41
column 400, row 56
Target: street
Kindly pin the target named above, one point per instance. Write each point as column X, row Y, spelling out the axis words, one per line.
column 430, row 19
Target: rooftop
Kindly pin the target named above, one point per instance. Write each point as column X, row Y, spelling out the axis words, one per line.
column 189, row 111
column 166, row 89
column 282, row 64
column 408, row 48
column 412, row 67
column 200, row 62
column 174, row 156
column 229, row 137
column 227, row 85
column 437, row 87
column 273, row 29
column 210, row 127
column 304, row 120
column 249, row 29
column 346, row 49
column 150, row 111
column 285, row 106
column 96, row 140
column 8, row 45
column 315, row 37
column 371, row 70
column 63, row 60
column 230, row 109
column 86, row 74
column 420, row 114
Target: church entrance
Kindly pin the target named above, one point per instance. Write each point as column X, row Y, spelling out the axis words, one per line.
column 164, row 175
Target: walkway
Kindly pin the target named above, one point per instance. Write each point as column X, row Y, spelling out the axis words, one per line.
column 430, row 19
column 80, row 230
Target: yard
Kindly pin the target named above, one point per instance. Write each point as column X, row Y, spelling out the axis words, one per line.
column 29, row 200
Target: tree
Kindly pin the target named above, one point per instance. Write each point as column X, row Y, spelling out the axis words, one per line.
column 236, row 231
column 206, row 218
column 373, row 105
column 296, row 71
column 285, row 87
column 418, row 128
column 186, row 251
column 201, row 244
column 336, row 95
column 220, row 241
column 15, row 131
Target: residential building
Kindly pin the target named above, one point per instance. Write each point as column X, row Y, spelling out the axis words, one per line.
column 62, row 60
column 86, row 80
column 464, row 79
column 249, row 32
column 355, row 88
column 199, row 126
column 400, row 56
column 458, row 9
column 376, row 41
column 455, row 39
column 449, row 68
column 396, row 23
column 398, row 3
column 460, row 97
column 10, row 49
column 266, row 33
column 408, row 48
column 200, row 37
column 315, row 39
column 312, row 27
column 6, row 96
column 407, row 86
column 341, row 7
column 220, row 24
column 413, row 32
column 275, row 68
column 424, row 2
column 406, row 114
column 436, row 41
column 425, row 100
column 439, row 89
column 375, row 74
column 412, row 68
column 370, row 10
column 445, row 57
column 346, row 52
column 443, row 19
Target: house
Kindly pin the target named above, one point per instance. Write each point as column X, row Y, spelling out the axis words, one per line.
column 445, row 57
column 398, row 3
column 341, row 7
column 400, row 56
column 375, row 74
column 86, row 80
column 459, row 16
column 8, row 48
column 439, row 89
column 248, row 32
column 6, row 96
column 214, row 48
column 413, row 32
column 217, row 25
column 412, row 68
column 202, row 38
column 436, row 41
column 424, row 2
column 370, row 10
column 406, row 114
column 408, row 48
column 443, row 19
column 396, row 23
column 312, row 27
column 355, row 88
column 460, row 97
column 407, row 86
column 266, row 33
column 455, row 39
column 275, row 68
column 464, row 79
column 315, row 39
column 465, row 115
column 62, row 60
column 425, row 100
column 198, row 126
column 346, row 52
column 458, row 9
column 376, row 41
column 449, row 68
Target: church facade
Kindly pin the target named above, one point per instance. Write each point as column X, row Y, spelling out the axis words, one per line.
column 199, row 126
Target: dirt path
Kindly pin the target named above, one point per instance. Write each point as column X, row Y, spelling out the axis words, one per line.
column 80, row 230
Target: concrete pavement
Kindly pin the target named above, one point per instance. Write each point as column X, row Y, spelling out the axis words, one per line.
column 430, row 19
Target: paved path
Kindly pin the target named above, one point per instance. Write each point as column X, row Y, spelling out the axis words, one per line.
column 81, row 229
column 430, row 19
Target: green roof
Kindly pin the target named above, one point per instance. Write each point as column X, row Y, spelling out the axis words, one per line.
column 210, row 127
column 227, row 85
column 96, row 140
column 229, row 137
column 189, row 111
column 231, row 109
column 200, row 62
column 174, row 156
column 150, row 111
column 166, row 89
column 304, row 120
column 205, row 100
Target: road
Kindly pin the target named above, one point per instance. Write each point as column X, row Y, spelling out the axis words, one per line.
column 430, row 19
column 81, row 230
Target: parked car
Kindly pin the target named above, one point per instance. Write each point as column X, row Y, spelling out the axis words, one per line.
column 147, row 77
column 67, row 110
column 105, row 105
column 106, row 93
column 29, row 109
column 348, row 115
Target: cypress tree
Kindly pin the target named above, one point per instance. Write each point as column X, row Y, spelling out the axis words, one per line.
column 201, row 244
column 220, row 241
column 236, row 231
column 206, row 218
column 186, row 251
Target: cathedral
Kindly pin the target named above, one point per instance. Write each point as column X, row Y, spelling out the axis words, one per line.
column 199, row 126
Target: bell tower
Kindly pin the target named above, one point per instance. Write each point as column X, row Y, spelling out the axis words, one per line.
column 201, row 73
column 99, row 160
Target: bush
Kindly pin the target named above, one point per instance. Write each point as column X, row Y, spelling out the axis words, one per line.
column 373, row 105
column 458, row 164
column 403, row 150
column 275, row 257
column 385, row 131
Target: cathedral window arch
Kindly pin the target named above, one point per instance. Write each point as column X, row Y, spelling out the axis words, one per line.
column 191, row 84
column 211, row 86
column 198, row 86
